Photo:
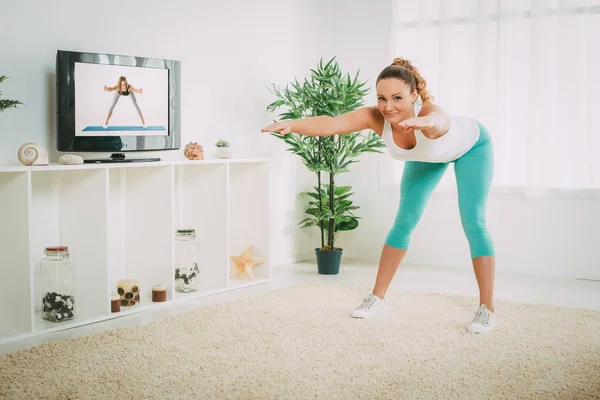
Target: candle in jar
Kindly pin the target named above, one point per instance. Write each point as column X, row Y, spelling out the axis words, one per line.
column 159, row 294
column 115, row 303
column 129, row 291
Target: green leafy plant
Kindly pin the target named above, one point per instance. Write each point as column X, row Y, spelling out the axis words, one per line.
column 326, row 91
column 222, row 143
column 342, row 216
column 4, row 103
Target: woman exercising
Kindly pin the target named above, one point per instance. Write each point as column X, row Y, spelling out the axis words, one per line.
column 428, row 140
column 123, row 88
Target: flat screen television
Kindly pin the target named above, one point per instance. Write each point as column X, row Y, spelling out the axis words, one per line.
column 117, row 104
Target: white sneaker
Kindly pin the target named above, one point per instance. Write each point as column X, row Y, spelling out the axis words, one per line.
column 484, row 321
column 371, row 306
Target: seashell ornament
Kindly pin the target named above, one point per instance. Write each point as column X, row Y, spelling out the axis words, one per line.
column 32, row 153
column 193, row 151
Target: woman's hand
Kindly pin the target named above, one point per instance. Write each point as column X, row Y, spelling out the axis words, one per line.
column 417, row 123
column 141, row 91
column 105, row 88
column 281, row 127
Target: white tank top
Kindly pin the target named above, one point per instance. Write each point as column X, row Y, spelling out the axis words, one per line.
column 462, row 135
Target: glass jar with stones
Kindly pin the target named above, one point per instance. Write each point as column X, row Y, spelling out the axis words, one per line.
column 58, row 284
column 187, row 259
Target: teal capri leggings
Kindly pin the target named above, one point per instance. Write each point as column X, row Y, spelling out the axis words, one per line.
column 474, row 172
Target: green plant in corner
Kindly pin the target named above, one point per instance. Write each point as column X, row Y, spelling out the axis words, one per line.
column 222, row 143
column 4, row 103
column 326, row 91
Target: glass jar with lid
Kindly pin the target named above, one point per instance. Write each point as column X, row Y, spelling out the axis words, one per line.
column 58, row 284
column 187, row 259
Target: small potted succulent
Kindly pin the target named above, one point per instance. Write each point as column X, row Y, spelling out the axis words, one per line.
column 223, row 150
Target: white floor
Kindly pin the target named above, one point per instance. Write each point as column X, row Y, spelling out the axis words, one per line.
column 560, row 292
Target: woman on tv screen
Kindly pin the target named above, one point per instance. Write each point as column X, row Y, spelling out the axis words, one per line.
column 123, row 88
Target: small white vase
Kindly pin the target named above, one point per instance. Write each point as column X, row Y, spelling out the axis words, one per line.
column 223, row 152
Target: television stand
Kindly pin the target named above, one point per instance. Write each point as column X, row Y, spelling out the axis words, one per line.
column 119, row 158
column 120, row 221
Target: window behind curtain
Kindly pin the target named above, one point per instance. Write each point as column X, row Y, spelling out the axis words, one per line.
column 528, row 70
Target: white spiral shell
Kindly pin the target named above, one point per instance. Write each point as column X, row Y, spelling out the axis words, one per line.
column 32, row 153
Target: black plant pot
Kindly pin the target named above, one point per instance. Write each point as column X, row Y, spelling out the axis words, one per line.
column 328, row 261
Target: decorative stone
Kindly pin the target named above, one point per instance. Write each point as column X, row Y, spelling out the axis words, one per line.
column 70, row 159
column 58, row 307
column 185, row 278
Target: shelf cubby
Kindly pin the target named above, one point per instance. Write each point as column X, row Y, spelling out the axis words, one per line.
column 249, row 216
column 201, row 204
column 148, row 227
column 15, row 278
column 68, row 208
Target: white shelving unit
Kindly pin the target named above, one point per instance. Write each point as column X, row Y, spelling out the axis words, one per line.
column 119, row 222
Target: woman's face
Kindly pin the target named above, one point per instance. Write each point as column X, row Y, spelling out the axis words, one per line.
column 123, row 86
column 395, row 100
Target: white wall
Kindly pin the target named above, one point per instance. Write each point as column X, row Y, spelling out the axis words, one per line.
column 230, row 50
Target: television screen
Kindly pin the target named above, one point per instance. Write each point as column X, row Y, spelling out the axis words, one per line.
column 117, row 103
column 114, row 100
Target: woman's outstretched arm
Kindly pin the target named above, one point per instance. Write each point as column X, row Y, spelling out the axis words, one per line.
column 134, row 90
column 432, row 121
column 353, row 121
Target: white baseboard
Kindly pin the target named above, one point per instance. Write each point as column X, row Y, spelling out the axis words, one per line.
column 293, row 260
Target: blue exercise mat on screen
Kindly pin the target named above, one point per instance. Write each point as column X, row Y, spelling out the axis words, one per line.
column 124, row 128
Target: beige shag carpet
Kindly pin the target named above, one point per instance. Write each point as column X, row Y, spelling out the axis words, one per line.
column 300, row 343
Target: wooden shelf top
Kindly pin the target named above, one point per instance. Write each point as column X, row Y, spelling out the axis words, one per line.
column 60, row 167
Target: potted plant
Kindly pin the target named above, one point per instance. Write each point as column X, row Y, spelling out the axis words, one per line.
column 223, row 150
column 4, row 103
column 326, row 91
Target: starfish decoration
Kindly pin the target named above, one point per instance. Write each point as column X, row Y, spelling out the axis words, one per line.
column 245, row 262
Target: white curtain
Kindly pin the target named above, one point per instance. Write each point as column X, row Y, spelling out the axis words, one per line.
column 528, row 70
